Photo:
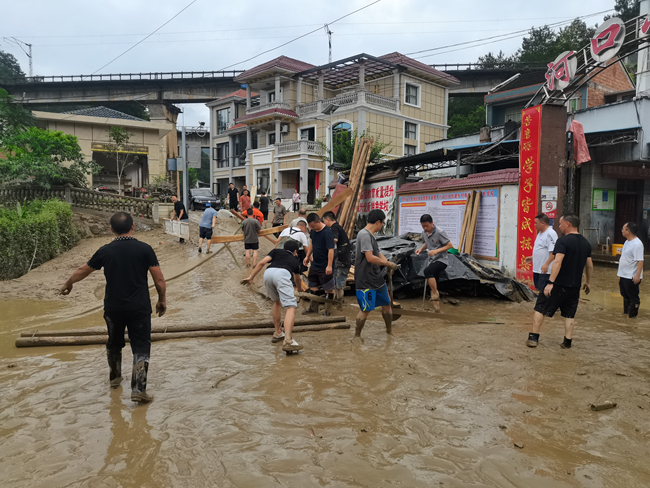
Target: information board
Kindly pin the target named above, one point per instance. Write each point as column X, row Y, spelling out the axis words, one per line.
column 447, row 210
column 603, row 199
column 378, row 195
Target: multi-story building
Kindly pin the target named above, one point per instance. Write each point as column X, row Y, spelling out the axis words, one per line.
column 274, row 131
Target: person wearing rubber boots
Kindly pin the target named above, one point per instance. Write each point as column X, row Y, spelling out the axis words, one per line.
column 436, row 243
column 280, row 278
column 372, row 291
column 126, row 262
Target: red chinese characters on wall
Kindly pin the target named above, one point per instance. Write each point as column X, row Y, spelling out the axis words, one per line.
column 376, row 196
column 529, row 150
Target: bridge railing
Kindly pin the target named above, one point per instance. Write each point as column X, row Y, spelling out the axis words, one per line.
column 481, row 66
column 172, row 75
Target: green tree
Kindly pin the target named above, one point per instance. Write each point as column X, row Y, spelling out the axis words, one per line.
column 343, row 148
column 13, row 117
column 543, row 44
column 466, row 123
column 625, row 10
column 118, row 150
column 500, row 61
column 10, row 68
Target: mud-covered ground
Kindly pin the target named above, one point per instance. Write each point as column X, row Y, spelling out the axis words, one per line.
column 441, row 404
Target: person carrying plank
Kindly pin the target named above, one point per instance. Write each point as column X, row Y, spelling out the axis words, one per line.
column 437, row 243
column 280, row 278
column 372, row 291
column 127, row 305
column 321, row 254
column 250, row 227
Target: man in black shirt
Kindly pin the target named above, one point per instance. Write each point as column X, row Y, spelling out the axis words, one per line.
column 342, row 256
column 233, row 197
column 572, row 252
column 127, row 304
column 264, row 205
column 280, row 277
column 179, row 213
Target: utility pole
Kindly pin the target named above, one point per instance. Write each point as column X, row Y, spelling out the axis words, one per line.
column 185, row 177
column 329, row 39
column 19, row 43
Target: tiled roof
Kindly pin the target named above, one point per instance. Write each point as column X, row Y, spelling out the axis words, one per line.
column 280, row 111
column 104, row 113
column 399, row 58
column 237, row 126
column 500, row 177
column 283, row 62
column 240, row 93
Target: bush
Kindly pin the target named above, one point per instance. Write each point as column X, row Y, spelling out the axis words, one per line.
column 32, row 235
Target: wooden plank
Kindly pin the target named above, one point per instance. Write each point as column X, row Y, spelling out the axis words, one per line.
column 317, row 298
column 477, row 202
column 162, row 329
column 337, row 191
column 463, row 229
column 336, row 201
column 240, row 237
column 102, row 339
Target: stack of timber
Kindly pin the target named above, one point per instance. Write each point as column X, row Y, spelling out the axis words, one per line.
column 97, row 335
column 470, row 220
column 347, row 217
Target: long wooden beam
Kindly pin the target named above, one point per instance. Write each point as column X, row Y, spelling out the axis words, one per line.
column 240, row 237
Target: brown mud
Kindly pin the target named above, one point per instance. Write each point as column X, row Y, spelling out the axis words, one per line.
column 442, row 403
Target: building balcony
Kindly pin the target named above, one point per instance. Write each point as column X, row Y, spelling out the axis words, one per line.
column 268, row 106
column 299, row 147
column 355, row 99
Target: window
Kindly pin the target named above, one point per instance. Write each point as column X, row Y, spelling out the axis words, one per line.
column 308, row 134
column 409, row 150
column 513, row 114
column 573, row 104
column 263, row 179
column 254, row 141
column 410, row 130
column 271, row 97
column 412, row 94
column 223, row 119
column 222, row 155
column 239, row 150
column 271, row 138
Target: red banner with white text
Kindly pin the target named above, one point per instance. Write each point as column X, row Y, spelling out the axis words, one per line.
column 529, row 150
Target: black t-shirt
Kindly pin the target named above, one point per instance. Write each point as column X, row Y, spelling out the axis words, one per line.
column 342, row 244
column 126, row 262
column 576, row 250
column 321, row 242
column 178, row 206
column 284, row 259
column 264, row 205
column 232, row 196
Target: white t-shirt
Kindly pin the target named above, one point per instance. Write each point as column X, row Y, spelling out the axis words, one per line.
column 296, row 197
column 631, row 254
column 544, row 244
column 296, row 234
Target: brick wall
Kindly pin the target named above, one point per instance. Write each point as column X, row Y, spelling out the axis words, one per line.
column 613, row 79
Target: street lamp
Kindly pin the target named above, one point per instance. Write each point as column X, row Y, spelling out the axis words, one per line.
column 329, row 110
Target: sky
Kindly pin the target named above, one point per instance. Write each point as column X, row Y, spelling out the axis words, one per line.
column 80, row 37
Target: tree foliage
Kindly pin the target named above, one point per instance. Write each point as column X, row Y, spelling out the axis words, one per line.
column 625, row 10
column 491, row 61
column 467, row 116
column 117, row 150
column 13, row 117
column 343, row 148
column 10, row 68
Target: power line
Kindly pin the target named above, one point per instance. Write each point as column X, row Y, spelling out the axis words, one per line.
column 294, row 26
column 555, row 24
column 141, row 41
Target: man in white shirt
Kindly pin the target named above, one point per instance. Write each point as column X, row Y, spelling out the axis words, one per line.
column 630, row 270
column 298, row 232
column 542, row 251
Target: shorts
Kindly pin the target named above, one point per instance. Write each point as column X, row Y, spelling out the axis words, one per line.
column 540, row 280
column 564, row 298
column 279, row 287
column 266, row 215
column 341, row 276
column 254, row 246
column 205, row 232
column 317, row 278
column 434, row 270
column 370, row 299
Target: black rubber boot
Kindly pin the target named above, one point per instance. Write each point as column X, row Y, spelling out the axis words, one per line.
column 139, row 379
column 115, row 367
column 388, row 320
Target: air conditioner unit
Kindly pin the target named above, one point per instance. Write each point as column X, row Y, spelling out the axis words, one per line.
column 284, row 128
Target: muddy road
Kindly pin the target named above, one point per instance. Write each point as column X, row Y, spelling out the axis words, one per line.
column 441, row 404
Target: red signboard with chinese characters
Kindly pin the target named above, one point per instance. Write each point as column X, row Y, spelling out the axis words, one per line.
column 529, row 150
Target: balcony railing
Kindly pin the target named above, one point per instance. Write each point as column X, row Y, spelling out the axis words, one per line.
column 268, row 106
column 349, row 99
column 299, row 147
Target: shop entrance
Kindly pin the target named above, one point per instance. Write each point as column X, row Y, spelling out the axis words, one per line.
column 628, row 206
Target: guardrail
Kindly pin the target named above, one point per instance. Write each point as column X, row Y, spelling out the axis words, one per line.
column 267, row 106
column 299, row 147
column 83, row 198
column 171, row 75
